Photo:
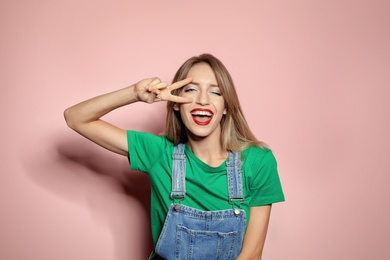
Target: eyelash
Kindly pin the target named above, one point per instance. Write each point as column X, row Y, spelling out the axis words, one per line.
column 192, row 89
column 189, row 89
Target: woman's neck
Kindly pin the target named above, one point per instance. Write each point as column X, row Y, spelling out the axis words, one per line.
column 208, row 150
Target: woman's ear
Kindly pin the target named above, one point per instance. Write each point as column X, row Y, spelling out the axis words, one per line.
column 176, row 107
column 225, row 111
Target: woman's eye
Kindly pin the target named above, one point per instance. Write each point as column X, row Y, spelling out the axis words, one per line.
column 189, row 90
column 217, row 93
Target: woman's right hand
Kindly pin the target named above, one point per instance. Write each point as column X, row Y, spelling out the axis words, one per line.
column 154, row 90
column 84, row 117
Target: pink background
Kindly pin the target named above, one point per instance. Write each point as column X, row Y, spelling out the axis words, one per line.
column 313, row 78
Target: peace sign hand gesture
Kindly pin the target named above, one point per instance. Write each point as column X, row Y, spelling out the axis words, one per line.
column 153, row 90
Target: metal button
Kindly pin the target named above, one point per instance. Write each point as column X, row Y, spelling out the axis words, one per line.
column 176, row 207
column 237, row 212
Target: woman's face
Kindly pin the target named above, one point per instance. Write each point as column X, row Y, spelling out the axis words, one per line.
column 202, row 117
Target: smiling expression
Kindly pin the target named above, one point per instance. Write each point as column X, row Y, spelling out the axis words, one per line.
column 202, row 117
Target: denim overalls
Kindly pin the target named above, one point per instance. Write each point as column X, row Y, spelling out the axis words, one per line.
column 189, row 233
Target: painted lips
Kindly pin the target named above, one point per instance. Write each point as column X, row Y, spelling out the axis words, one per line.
column 202, row 116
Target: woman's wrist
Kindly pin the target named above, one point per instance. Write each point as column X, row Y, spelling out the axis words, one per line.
column 131, row 94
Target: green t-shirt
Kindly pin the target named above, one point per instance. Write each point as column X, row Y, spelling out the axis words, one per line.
column 206, row 186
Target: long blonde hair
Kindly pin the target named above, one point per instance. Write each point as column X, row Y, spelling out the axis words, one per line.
column 235, row 132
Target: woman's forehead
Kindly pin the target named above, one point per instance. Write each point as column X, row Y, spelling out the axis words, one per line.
column 202, row 73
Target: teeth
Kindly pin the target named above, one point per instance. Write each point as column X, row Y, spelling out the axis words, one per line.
column 201, row 113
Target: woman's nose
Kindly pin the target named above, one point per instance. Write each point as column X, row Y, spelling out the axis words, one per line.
column 203, row 98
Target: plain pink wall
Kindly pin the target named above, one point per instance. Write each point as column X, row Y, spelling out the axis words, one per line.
column 313, row 79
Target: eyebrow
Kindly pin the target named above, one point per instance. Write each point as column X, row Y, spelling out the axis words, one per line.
column 198, row 84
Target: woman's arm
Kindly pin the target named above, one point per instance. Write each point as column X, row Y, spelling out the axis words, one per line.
column 84, row 117
column 256, row 232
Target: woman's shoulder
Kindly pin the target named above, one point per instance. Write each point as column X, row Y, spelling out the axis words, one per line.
column 258, row 155
column 257, row 151
column 148, row 139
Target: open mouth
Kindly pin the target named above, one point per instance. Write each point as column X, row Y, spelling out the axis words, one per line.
column 202, row 116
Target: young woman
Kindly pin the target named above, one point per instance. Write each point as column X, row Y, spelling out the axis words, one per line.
column 212, row 182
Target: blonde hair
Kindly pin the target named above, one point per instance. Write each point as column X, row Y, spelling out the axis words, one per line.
column 235, row 132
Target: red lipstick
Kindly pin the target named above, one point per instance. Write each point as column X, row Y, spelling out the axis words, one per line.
column 202, row 116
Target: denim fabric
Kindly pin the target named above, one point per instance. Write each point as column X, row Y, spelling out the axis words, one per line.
column 234, row 178
column 195, row 234
column 189, row 233
column 178, row 172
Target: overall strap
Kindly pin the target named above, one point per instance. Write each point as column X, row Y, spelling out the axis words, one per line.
column 234, row 176
column 233, row 168
column 178, row 172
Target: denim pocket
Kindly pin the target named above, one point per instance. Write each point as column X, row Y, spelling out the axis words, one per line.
column 194, row 234
column 199, row 244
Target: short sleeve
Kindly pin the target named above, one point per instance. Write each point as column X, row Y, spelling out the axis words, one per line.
column 264, row 182
column 144, row 148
